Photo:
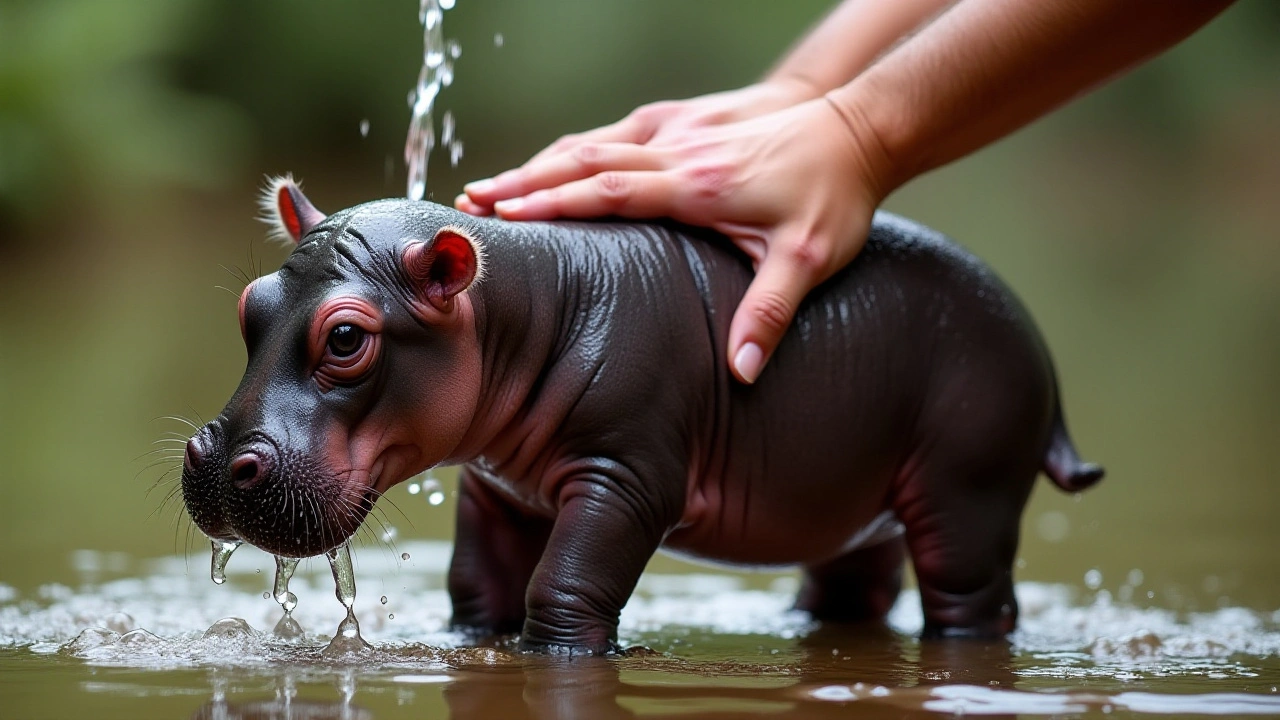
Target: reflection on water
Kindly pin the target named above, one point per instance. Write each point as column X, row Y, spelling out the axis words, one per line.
column 167, row 643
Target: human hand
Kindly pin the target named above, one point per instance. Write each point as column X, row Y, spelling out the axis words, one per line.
column 655, row 122
column 793, row 189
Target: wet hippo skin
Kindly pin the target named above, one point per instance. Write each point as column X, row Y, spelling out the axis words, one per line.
column 577, row 371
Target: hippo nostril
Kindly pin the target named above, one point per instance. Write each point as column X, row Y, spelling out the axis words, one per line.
column 247, row 471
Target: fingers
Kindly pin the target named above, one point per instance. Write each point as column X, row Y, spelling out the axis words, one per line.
column 766, row 311
column 635, row 128
column 625, row 194
column 582, row 162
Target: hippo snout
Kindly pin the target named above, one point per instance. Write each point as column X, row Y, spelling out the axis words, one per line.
column 250, row 490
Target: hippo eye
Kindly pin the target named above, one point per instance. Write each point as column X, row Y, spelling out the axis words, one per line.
column 345, row 340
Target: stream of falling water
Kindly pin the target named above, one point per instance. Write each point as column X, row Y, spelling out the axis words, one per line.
column 438, row 55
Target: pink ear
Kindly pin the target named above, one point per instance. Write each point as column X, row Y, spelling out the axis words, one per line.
column 289, row 212
column 443, row 267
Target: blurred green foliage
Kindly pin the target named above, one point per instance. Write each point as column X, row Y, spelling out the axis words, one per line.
column 1139, row 224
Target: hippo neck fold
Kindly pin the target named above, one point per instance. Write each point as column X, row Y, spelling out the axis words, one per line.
column 534, row 320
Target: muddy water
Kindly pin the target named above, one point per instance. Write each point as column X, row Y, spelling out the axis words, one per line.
column 161, row 641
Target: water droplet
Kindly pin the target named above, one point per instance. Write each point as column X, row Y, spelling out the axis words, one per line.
column 364, row 128
column 435, row 493
column 414, row 488
column 447, row 127
column 221, row 554
column 344, row 577
column 266, row 595
column 384, row 599
column 1093, row 579
column 391, row 616
column 1136, row 577
column 1151, row 594
column 389, row 534
column 404, row 556
column 284, row 571
column 498, row 40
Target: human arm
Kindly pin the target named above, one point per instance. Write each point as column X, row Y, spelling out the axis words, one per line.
column 843, row 44
column 796, row 189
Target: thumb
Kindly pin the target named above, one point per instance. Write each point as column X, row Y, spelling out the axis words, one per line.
column 765, row 313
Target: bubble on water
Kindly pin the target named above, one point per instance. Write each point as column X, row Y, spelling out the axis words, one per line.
column 231, row 628
column 414, row 488
column 1093, row 579
column 120, row 622
column 498, row 40
column 364, row 128
column 404, row 556
column 221, row 554
column 91, row 638
column 140, row 638
column 1053, row 526
column 1135, row 577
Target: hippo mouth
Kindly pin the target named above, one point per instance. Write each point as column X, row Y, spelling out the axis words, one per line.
column 283, row 502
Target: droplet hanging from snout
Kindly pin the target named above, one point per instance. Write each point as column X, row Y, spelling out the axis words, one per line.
column 221, row 554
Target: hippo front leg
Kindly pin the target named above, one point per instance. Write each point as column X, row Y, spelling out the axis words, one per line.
column 609, row 525
column 495, row 551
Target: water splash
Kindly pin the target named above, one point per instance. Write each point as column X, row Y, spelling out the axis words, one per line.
column 221, row 554
column 436, row 74
column 347, row 639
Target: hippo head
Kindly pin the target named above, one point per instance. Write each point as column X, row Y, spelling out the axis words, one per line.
column 363, row 370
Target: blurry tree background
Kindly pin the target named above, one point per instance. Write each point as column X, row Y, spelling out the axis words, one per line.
column 1139, row 225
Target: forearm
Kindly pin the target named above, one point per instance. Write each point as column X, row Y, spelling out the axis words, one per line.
column 987, row 67
column 850, row 38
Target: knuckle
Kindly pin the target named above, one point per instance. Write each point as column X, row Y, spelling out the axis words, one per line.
column 613, row 186
column 589, row 155
column 808, row 255
column 772, row 310
column 711, row 181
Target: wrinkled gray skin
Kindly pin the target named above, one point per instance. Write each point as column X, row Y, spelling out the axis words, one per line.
column 584, row 385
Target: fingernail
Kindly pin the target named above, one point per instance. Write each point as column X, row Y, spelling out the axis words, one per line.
column 478, row 187
column 749, row 361
column 506, row 206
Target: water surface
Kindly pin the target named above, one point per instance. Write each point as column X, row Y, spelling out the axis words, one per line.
column 143, row 638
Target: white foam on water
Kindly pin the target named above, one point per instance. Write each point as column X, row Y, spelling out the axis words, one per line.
column 172, row 616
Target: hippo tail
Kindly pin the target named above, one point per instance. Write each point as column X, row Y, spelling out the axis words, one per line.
column 1063, row 465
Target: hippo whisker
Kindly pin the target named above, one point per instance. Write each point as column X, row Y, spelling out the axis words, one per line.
column 179, row 418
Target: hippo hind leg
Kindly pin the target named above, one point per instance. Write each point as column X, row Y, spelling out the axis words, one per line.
column 962, row 510
column 859, row 586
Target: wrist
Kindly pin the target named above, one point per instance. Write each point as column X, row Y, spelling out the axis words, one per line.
column 796, row 87
column 876, row 133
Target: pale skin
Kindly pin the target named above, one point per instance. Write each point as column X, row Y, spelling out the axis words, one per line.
column 793, row 167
